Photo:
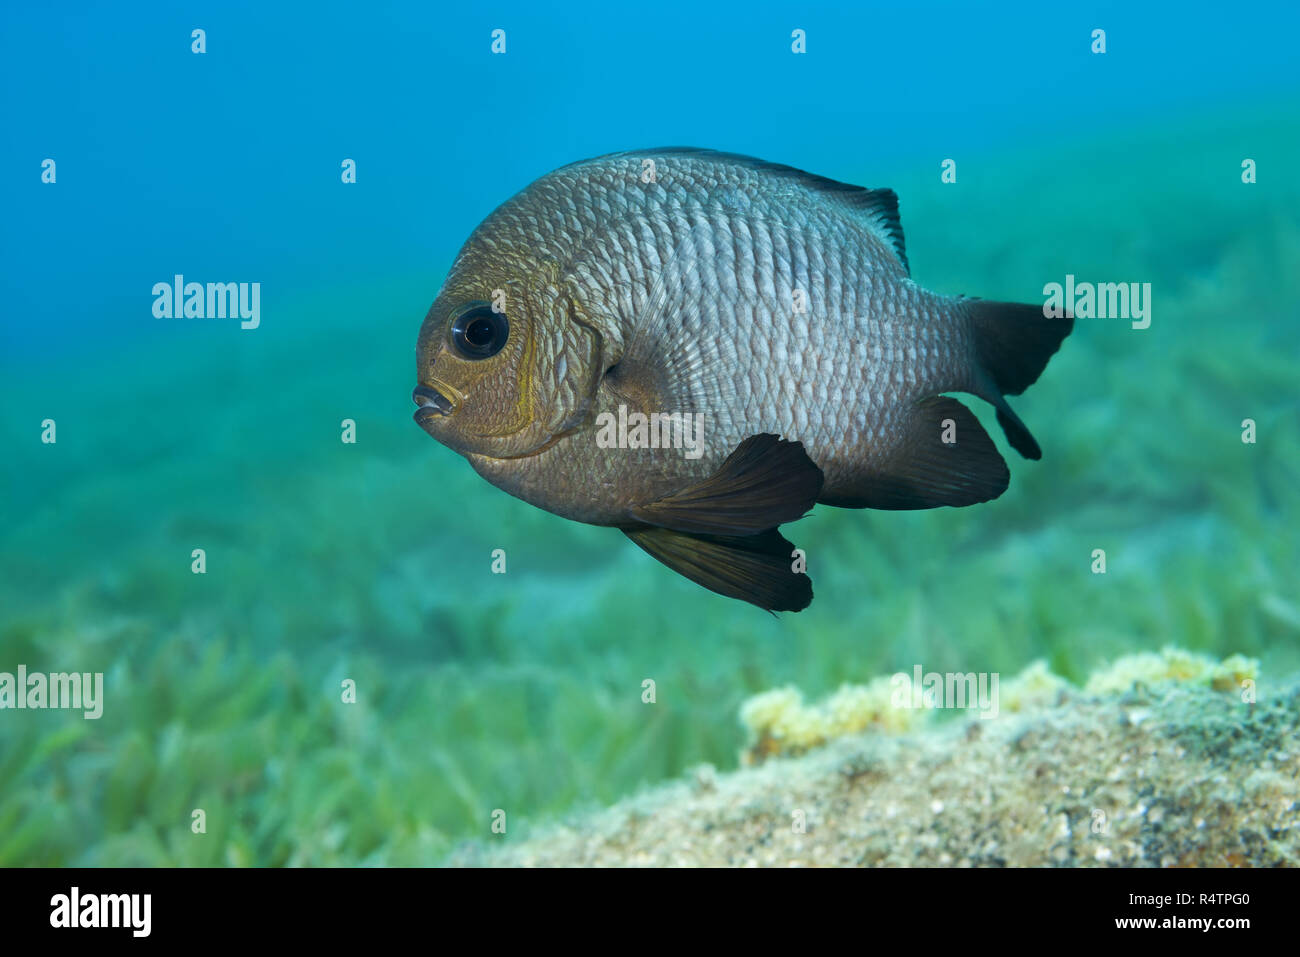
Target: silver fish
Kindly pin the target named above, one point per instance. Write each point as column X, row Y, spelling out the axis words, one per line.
column 696, row 347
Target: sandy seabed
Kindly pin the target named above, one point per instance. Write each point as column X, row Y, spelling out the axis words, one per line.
column 1174, row 776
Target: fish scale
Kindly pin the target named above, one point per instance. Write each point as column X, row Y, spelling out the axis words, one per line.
column 857, row 293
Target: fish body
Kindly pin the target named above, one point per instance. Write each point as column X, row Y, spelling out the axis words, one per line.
column 765, row 314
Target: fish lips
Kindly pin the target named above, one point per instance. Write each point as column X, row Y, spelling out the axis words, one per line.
column 433, row 405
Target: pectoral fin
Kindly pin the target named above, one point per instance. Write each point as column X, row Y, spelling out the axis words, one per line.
column 765, row 482
column 754, row 568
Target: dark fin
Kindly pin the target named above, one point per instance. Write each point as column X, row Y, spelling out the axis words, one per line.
column 1013, row 342
column 766, row 482
column 878, row 207
column 925, row 472
column 753, row 568
column 1016, row 431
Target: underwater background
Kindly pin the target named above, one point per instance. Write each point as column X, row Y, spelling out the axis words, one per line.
column 372, row 561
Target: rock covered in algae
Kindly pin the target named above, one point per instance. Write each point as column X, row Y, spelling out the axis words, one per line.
column 781, row 723
column 1168, row 772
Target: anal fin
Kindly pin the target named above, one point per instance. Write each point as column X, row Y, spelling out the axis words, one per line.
column 925, row 471
column 754, row 568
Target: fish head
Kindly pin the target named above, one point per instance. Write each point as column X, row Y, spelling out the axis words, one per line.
column 504, row 366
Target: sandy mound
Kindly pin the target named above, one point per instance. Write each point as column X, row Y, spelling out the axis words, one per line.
column 1174, row 775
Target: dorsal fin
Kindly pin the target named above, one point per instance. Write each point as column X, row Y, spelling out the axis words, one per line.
column 877, row 207
column 880, row 208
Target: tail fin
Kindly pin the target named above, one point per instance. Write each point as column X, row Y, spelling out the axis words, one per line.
column 1013, row 342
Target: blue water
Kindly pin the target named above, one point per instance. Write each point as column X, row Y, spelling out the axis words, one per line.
column 332, row 560
column 227, row 164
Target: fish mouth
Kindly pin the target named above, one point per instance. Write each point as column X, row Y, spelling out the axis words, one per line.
column 432, row 403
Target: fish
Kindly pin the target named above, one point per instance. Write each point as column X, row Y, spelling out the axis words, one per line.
column 697, row 347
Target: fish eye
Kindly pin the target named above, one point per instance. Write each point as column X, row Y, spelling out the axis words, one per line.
column 478, row 332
